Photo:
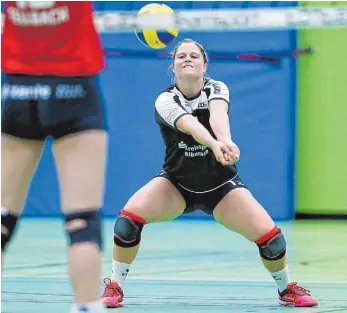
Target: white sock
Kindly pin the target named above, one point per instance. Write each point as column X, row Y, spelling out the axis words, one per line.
column 282, row 278
column 119, row 272
column 4, row 211
column 89, row 307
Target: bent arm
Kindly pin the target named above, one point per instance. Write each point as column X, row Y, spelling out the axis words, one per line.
column 219, row 119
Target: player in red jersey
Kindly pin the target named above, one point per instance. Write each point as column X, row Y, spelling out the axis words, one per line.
column 51, row 55
column 50, row 38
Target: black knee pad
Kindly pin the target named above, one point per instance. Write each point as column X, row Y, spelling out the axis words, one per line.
column 273, row 248
column 90, row 229
column 127, row 231
column 8, row 226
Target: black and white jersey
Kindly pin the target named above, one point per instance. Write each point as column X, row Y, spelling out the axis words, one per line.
column 193, row 165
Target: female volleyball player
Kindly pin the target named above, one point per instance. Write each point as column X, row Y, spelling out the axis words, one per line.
column 51, row 54
column 199, row 170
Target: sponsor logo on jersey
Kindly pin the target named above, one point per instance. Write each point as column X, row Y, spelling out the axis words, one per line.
column 182, row 145
column 203, row 105
column 40, row 13
column 217, row 88
column 193, row 151
column 171, row 114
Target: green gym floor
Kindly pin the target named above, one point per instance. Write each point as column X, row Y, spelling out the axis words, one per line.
column 188, row 266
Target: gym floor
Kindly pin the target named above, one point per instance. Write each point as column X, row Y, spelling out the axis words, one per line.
column 186, row 265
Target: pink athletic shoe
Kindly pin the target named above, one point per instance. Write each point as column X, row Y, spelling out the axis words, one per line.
column 113, row 295
column 295, row 295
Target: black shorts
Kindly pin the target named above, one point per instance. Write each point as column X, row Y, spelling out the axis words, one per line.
column 35, row 107
column 205, row 201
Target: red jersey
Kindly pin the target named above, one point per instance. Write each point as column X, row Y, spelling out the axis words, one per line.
column 51, row 38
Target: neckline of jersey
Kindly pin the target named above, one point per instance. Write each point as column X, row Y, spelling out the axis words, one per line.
column 189, row 98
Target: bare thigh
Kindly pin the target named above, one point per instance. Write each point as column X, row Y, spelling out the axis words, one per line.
column 157, row 201
column 19, row 161
column 239, row 211
column 80, row 160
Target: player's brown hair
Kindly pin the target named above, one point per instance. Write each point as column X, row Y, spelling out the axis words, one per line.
column 201, row 48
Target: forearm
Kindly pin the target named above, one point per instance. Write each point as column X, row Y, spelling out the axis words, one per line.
column 191, row 126
column 202, row 135
column 220, row 126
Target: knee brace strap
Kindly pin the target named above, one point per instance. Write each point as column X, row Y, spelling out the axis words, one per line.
column 84, row 227
column 127, row 229
column 8, row 226
column 272, row 246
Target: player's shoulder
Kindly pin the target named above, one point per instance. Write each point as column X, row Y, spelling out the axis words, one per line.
column 211, row 82
column 166, row 94
column 168, row 91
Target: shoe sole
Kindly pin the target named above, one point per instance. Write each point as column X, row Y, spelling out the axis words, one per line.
column 284, row 303
column 111, row 305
